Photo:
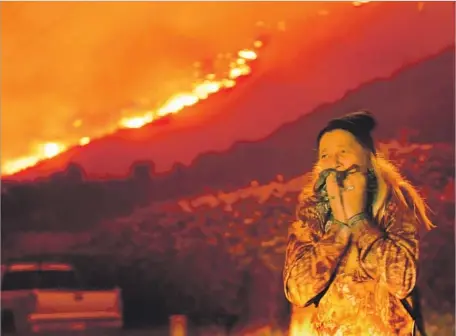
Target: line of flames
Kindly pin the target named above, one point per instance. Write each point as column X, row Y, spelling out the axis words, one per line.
column 201, row 90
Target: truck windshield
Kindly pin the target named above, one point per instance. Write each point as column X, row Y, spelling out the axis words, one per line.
column 23, row 280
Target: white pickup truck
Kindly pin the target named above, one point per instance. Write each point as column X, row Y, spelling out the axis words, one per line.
column 47, row 298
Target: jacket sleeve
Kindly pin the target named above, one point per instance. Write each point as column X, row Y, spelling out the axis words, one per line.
column 390, row 254
column 311, row 259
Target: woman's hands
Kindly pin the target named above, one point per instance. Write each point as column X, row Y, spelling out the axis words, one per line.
column 351, row 199
column 335, row 198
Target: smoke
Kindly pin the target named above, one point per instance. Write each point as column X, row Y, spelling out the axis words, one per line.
column 87, row 60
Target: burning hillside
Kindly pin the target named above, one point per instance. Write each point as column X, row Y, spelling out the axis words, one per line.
column 236, row 66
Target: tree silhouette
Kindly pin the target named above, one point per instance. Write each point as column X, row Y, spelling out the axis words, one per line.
column 142, row 171
column 141, row 176
column 74, row 173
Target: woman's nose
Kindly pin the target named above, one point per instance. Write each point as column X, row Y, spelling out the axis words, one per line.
column 335, row 163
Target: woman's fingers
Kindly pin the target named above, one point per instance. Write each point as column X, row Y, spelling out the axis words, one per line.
column 354, row 194
column 331, row 186
column 356, row 181
column 334, row 196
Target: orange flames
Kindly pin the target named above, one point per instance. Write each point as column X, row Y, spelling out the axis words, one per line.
column 201, row 90
column 359, row 3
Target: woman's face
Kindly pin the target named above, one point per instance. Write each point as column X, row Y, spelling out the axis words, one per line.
column 339, row 149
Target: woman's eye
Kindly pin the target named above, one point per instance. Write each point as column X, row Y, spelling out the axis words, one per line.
column 324, row 156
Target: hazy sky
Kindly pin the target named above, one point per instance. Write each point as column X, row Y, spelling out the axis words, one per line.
column 89, row 60
column 70, row 60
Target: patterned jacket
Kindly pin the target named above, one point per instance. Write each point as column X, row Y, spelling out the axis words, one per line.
column 355, row 276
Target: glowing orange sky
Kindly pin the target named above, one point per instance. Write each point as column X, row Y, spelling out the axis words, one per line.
column 93, row 61
column 67, row 61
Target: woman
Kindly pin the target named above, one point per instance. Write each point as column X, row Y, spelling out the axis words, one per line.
column 353, row 250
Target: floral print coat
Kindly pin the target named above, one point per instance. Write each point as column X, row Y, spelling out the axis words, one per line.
column 355, row 276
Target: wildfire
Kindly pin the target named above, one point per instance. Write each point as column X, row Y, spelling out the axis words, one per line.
column 84, row 141
column 201, row 90
column 238, row 67
column 44, row 151
column 52, row 149
column 359, row 3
